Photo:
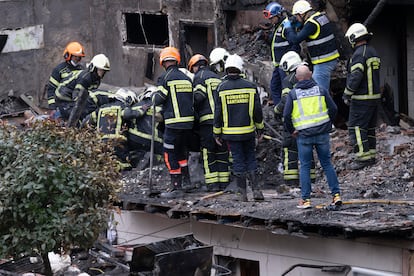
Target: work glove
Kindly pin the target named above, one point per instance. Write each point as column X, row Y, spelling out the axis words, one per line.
column 347, row 99
column 287, row 24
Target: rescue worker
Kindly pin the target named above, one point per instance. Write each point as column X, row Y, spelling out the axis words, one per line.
column 215, row 157
column 289, row 62
column 308, row 116
column 139, row 120
column 237, row 117
column 317, row 31
column 217, row 59
column 275, row 13
column 72, row 93
column 362, row 93
column 175, row 95
column 108, row 120
column 73, row 54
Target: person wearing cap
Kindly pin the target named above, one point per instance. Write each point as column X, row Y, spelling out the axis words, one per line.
column 238, row 119
column 362, row 94
column 175, row 95
column 317, row 31
column 276, row 14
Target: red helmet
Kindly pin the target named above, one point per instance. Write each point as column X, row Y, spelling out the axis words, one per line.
column 170, row 53
column 73, row 49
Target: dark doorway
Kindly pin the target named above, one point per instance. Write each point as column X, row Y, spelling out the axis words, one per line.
column 195, row 38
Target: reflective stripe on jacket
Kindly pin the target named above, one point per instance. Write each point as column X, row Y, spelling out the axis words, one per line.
column 175, row 94
column 321, row 44
column 363, row 79
column 309, row 108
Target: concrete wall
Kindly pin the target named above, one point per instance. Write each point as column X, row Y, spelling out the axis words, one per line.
column 410, row 65
column 275, row 253
column 98, row 25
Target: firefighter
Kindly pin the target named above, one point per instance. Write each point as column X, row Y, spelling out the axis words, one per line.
column 289, row 62
column 73, row 54
column 72, row 93
column 175, row 95
column 215, row 157
column 317, row 30
column 237, row 117
column 362, row 93
column 108, row 120
column 139, row 120
column 217, row 59
column 275, row 13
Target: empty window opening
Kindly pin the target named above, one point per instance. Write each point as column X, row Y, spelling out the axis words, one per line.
column 143, row 29
column 225, row 265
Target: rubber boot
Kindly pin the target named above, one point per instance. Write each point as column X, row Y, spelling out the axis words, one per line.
column 187, row 185
column 241, row 184
column 254, row 182
column 175, row 189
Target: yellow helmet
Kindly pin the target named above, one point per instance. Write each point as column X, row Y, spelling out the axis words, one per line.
column 301, row 7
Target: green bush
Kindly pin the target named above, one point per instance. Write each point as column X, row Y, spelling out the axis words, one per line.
column 57, row 186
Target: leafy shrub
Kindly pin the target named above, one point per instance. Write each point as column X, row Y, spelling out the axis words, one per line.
column 57, row 186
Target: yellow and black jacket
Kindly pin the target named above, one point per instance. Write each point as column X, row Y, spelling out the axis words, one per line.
column 175, row 94
column 280, row 45
column 238, row 112
column 205, row 85
column 363, row 79
column 60, row 72
column 319, row 36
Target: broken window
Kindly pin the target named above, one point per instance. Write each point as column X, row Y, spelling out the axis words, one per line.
column 146, row 29
column 237, row 266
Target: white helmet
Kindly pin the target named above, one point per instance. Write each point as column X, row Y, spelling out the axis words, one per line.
column 234, row 61
column 126, row 96
column 99, row 61
column 301, row 7
column 147, row 94
column 217, row 55
column 356, row 32
column 290, row 61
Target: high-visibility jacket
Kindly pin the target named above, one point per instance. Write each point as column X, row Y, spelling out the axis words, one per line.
column 205, row 85
column 60, row 72
column 238, row 112
column 280, row 45
column 140, row 125
column 175, row 94
column 97, row 98
column 68, row 90
column 309, row 109
column 288, row 83
column 321, row 44
column 363, row 79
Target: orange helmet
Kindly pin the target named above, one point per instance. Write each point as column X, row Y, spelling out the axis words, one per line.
column 194, row 60
column 170, row 53
column 73, row 49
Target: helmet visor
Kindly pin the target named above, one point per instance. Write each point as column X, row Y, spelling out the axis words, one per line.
column 267, row 14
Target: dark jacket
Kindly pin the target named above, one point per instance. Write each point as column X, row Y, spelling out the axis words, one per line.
column 238, row 112
column 309, row 88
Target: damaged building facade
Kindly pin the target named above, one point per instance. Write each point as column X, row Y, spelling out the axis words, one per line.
column 133, row 32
